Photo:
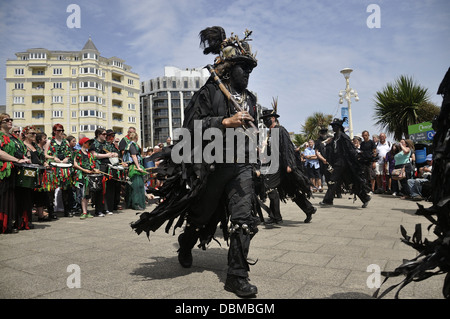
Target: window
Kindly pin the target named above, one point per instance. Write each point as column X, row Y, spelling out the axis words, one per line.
column 132, row 119
column 130, row 94
column 90, row 84
column 57, row 99
column 90, row 55
column 35, row 56
column 89, row 128
column 38, row 100
column 91, row 113
column 74, row 128
column 19, row 115
column 74, row 114
column 74, row 71
column 174, row 84
column 74, row 100
column 91, row 98
column 130, row 82
column 18, row 72
column 19, row 100
column 18, row 86
column 57, row 71
column 57, row 85
column 74, row 85
column 90, row 71
column 57, row 113
column 117, row 63
column 131, row 106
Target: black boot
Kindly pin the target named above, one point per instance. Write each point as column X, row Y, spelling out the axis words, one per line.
column 366, row 201
column 240, row 286
column 187, row 241
column 309, row 215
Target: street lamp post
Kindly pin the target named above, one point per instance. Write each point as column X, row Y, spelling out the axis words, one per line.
column 347, row 94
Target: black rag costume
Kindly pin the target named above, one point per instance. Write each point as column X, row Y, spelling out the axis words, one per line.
column 434, row 256
column 294, row 185
column 343, row 157
column 204, row 195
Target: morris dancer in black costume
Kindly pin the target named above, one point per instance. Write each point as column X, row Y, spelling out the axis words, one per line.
column 346, row 167
column 289, row 181
column 433, row 257
column 204, row 195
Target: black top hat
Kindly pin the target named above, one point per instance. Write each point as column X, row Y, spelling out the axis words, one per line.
column 110, row 132
column 269, row 113
column 337, row 122
column 230, row 49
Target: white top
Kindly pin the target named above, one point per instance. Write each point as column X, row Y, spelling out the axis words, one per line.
column 382, row 150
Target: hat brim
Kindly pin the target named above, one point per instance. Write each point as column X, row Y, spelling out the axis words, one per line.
column 243, row 59
column 270, row 115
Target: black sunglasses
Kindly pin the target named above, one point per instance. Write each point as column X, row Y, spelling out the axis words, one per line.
column 59, row 130
column 7, row 120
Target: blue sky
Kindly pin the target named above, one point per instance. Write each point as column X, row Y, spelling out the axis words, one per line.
column 301, row 45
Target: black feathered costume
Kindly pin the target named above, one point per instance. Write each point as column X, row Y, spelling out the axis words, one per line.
column 347, row 169
column 201, row 196
column 434, row 256
column 294, row 185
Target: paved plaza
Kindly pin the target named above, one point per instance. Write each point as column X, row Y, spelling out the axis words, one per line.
column 326, row 259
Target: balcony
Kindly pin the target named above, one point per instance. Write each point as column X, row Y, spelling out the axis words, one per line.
column 117, row 95
column 163, row 124
column 37, row 71
column 118, row 130
column 117, row 117
column 37, row 88
column 160, row 116
column 38, row 117
column 37, row 100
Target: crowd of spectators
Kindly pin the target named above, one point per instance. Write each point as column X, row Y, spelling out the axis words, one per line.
column 379, row 157
column 87, row 177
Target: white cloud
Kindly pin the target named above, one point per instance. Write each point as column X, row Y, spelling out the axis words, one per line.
column 301, row 45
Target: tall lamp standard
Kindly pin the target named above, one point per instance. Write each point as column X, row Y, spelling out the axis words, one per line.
column 347, row 94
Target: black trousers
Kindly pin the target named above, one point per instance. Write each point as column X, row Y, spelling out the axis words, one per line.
column 24, row 206
column 65, row 195
column 98, row 201
column 274, row 198
column 112, row 196
column 339, row 171
column 235, row 183
column 304, row 204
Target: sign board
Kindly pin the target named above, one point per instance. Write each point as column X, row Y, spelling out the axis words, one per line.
column 344, row 113
column 421, row 132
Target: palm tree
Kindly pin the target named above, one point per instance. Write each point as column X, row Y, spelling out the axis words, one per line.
column 399, row 105
column 313, row 124
column 299, row 139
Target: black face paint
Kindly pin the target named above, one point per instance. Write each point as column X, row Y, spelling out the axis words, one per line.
column 267, row 122
column 239, row 76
